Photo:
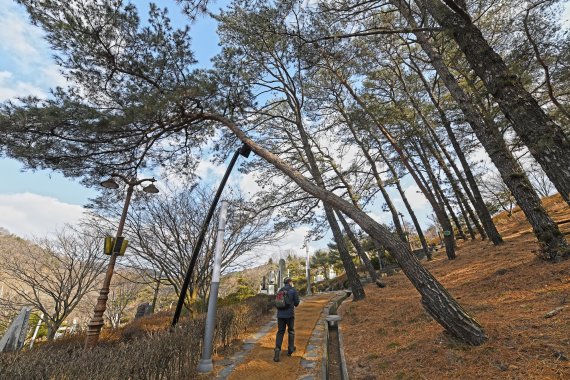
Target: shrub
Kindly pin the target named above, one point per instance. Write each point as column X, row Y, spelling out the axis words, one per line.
column 142, row 350
column 243, row 292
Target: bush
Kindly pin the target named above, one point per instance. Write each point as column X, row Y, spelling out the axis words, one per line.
column 141, row 350
column 242, row 293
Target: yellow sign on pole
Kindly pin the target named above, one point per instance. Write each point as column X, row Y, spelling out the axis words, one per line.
column 120, row 245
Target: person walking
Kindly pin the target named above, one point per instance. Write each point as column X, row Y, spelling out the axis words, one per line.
column 286, row 319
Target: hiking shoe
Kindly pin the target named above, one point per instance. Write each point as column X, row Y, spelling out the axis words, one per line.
column 276, row 355
column 289, row 352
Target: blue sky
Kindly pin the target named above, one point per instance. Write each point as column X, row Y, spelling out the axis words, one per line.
column 36, row 203
column 39, row 202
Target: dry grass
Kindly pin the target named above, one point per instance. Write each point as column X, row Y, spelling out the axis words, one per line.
column 144, row 349
column 507, row 289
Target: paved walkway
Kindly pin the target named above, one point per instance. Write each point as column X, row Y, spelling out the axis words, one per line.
column 255, row 360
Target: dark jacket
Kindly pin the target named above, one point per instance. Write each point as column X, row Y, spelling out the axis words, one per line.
column 294, row 299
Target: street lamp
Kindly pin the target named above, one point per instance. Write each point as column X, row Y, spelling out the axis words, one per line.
column 205, row 365
column 244, row 151
column 96, row 323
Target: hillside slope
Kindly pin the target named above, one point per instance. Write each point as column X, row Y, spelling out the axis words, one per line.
column 507, row 289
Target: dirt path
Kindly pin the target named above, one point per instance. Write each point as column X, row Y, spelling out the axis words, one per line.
column 259, row 362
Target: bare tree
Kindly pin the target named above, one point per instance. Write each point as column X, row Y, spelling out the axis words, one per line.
column 539, row 180
column 10, row 245
column 498, row 194
column 53, row 275
column 123, row 293
column 165, row 230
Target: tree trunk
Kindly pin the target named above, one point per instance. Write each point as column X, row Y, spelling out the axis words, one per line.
column 442, row 216
column 471, row 198
column 52, row 330
column 379, row 252
column 358, row 247
column 544, row 228
column 466, row 215
column 349, row 267
column 376, row 174
column 478, row 203
column 543, row 137
column 407, row 204
column 351, row 272
column 377, row 177
column 449, row 241
column 435, row 298
column 463, row 204
column 432, row 145
column 443, row 198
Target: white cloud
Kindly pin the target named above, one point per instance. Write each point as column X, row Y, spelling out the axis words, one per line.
column 207, row 170
column 28, row 214
column 5, row 76
column 19, row 38
column 24, row 55
column 383, row 218
column 416, row 198
column 293, row 241
column 11, row 88
column 247, row 183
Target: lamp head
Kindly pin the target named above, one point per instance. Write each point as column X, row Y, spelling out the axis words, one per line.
column 110, row 184
column 245, row 150
column 151, row 189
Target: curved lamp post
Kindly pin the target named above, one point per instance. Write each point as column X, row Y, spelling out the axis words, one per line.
column 244, row 151
column 94, row 326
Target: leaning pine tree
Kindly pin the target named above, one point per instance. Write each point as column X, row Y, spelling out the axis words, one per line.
column 139, row 105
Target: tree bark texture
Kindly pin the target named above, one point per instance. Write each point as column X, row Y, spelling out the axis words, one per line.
column 544, row 138
column 467, row 218
column 349, row 267
column 487, row 132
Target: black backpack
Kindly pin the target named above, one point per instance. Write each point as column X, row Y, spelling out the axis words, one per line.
column 282, row 299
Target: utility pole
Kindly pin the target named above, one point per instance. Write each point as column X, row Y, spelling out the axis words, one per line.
column 244, row 151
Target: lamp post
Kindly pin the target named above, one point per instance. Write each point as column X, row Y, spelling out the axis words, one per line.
column 94, row 326
column 308, row 269
column 405, row 231
column 205, row 364
column 244, row 151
